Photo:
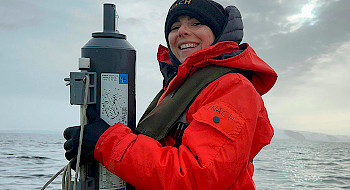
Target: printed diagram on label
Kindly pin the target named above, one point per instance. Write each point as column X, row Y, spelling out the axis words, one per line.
column 110, row 181
column 114, row 98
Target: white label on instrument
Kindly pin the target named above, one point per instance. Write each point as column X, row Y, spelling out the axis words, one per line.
column 108, row 181
column 114, row 98
column 114, row 109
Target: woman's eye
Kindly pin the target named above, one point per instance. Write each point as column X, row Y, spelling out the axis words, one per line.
column 197, row 24
column 174, row 28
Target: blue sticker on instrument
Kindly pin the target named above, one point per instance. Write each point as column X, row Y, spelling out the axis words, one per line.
column 123, row 78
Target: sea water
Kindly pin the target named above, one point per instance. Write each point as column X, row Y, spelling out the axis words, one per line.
column 291, row 164
column 28, row 161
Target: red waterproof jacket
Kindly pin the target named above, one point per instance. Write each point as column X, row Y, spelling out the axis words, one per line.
column 215, row 153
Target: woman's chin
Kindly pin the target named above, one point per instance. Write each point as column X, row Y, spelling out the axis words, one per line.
column 185, row 53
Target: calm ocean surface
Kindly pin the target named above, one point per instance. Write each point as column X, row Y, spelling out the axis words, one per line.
column 28, row 161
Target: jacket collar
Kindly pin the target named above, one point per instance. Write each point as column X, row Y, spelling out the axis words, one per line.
column 264, row 77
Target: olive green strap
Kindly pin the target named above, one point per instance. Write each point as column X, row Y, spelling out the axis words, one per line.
column 152, row 105
column 158, row 120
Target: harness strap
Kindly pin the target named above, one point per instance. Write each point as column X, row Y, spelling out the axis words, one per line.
column 152, row 105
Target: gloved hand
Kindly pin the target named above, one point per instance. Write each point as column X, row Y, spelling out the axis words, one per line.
column 92, row 132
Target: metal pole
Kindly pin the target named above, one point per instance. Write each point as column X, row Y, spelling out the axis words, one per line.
column 109, row 18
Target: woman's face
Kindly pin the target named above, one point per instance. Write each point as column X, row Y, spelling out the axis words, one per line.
column 187, row 36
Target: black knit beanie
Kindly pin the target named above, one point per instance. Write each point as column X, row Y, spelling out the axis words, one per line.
column 207, row 12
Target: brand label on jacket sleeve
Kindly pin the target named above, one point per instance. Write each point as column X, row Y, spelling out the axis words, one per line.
column 221, row 116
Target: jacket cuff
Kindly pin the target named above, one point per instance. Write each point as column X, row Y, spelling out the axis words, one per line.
column 112, row 142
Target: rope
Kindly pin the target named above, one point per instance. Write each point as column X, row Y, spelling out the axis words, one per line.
column 67, row 176
column 54, row 177
column 82, row 123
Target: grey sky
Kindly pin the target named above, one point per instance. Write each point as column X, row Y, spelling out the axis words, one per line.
column 305, row 41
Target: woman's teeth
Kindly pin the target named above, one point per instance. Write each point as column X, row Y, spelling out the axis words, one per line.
column 190, row 45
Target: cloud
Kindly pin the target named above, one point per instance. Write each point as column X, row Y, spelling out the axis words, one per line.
column 282, row 41
column 19, row 14
column 317, row 99
column 305, row 15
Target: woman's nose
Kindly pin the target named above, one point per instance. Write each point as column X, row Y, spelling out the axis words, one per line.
column 184, row 31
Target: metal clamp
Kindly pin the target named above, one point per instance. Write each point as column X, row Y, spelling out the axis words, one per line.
column 77, row 84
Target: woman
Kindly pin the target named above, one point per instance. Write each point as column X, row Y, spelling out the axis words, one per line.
column 210, row 141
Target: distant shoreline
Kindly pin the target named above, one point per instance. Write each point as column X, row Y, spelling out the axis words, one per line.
column 30, row 132
column 309, row 136
column 280, row 133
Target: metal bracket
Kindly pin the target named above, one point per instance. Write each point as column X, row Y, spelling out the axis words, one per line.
column 84, row 63
column 77, row 86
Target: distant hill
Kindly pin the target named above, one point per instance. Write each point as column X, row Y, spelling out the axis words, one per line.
column 31, row 131
column 309, row 136
column 279, row 134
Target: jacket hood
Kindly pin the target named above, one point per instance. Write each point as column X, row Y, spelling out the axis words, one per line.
column 225, row 51
column 233, row 29
column 263, row 79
